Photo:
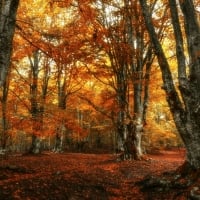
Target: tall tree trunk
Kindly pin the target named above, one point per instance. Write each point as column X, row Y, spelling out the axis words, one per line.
column 59, row 138
column 62, row 98
column 4, row 120
column 140, row 56
column 185, row 111
column 8, row 10
column 121, row 78
column 36, row 145
column 35, row 110
column 191, row 134
column 128, row 47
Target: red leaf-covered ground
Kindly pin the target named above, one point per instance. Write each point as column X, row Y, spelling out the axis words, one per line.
column 74, row 176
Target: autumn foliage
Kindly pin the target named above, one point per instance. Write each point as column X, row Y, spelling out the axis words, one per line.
column 64, row 78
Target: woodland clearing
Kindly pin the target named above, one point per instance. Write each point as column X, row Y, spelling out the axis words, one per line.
column 77, row 176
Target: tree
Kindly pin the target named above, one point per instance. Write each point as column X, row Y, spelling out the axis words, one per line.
column 183, row 101
column 68, row 51
column 35, row 107
column 128, row 47
column 4, row 118
column 8, row 10
column 140, row 59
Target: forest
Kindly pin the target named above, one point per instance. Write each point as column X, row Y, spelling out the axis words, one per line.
column 116, row 81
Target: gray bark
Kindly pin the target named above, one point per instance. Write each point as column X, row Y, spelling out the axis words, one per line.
column 4, row 120
column 62, row 98
column 186, row 112
column 36, row 145
column 60, row 131
column 35, row 109
column 128, row 52
column 8, row 10
column 141, row 58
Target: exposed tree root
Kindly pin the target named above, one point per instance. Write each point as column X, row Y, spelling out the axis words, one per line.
column 184, row 180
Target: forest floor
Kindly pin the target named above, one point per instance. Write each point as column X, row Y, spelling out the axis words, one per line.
column 77, row 176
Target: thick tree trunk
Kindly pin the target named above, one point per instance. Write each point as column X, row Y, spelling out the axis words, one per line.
column 59, row 138
column 8, row 10
column 121, row 135
column 189, row 88
column 36, row 140
column 35, row 110
column 138, row 116
column 141, row 55
column 133, row 141
column 4, row 126
column 123, row 144
column 62, row 101
column 62, row 97
column 36, row 145
column 138, row 134
column 193, row 152
column 4, row 120
column 185, row 111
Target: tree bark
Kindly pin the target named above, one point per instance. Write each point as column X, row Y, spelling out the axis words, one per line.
column 186, row 112
column 35, row 109
column 4, row 120
column 8, row 11
column 36, row 145
column 141, row 58
column 60, row 131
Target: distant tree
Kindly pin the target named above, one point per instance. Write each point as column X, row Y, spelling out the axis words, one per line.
column 71, row 51
column 67, row 85
column 184, row 101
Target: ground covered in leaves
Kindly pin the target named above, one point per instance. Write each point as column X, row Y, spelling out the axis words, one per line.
column 76, row 176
